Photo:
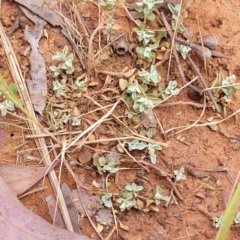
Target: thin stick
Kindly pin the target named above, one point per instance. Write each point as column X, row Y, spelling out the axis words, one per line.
column 196, row 70
column 197, row 105
column 176, row 54
column 163, row 174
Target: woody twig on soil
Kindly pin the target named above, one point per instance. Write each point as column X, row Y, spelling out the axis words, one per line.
column 196, row 70
column 176, row 55
column 165, row 175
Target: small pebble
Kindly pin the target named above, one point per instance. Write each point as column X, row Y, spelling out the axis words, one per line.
column 209, row 233
column 60, row 43
column 161, row 230
column 218, row 183
column 197, row 201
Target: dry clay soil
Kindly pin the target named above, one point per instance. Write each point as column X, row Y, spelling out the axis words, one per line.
column 199, row 147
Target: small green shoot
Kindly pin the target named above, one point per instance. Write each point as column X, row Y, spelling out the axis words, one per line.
column 180, row 174
column 159, row 196
column 134, row 89
column 147, row 53
column 142, row 104
column 125, row 203
column 145, row 36
column 6, row 106
column 133, row 189
column 147, row 7
column 172, row 88
column 126, row 200
column 184, row 50
column 65, row 67
column 136, row 145
column 107, row 4
column 175, row 10
column 149, row 77
column 60, row 89
column 104, row 164
column 106, row 200
column 217, row 221
column 76, row 121
column 237, row 218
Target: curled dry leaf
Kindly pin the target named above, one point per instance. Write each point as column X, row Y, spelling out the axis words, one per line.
column 18, row 222
column 91, row 202
column 21, row 178
column 56, row 217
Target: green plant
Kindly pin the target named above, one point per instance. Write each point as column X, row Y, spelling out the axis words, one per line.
column 108, row 4
column 175, row 10
column 145, row 36
column 76, row 121
column 180, row 174
column 147, row 53
column 237, row 218
column 60, row 89
column 133, row 189
column 149, row 77
column 106, row 200
column 226, row 87
column 147, row 7
column 104, row 164
column 229, row 215
column 136, row 145
column 7, row 104
column 142, row 104
column 133, row 89
column 127, row 196
column 65, row 67
column 217, row 221
column 172, row 89
column 184, row 50
column 159, row 196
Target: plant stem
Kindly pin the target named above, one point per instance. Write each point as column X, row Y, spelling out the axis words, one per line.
column 196, row 70
column 176, row 55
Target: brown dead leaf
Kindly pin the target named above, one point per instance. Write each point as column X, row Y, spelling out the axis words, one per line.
column 73, row 213
column 56, row 217
column 91, row 202
column 42, row 11
column 104, row 217
column 21, row 178
column 18, row 222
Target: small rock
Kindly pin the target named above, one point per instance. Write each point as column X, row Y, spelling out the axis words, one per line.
column 197, row 200
column 209, row 233
column 60, row 43
column 218, row 183
column 161, row 230
column 200, row 195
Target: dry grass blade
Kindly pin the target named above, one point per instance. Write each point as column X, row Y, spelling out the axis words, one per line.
column 40, row 142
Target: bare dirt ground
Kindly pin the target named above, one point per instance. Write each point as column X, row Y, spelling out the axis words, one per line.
column 199, row 148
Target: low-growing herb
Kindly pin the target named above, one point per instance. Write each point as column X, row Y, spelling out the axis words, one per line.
column 65, row 66
column 106, row 200
column 136, row 145
column 104, row 164
column 147, row 7
column 184, row 50
column 147, row 53
column 180, row 174
column 150, row 77
column 217, row 221
column 159, row 196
